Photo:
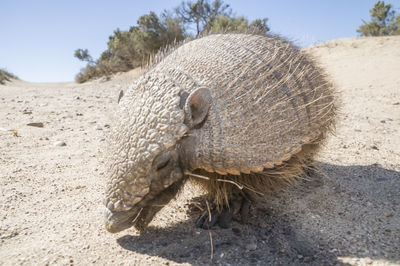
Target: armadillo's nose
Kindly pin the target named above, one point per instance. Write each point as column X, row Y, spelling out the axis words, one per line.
column 109, row 222
column 117, row 221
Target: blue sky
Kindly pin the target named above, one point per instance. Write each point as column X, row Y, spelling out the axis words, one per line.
column 38, row 38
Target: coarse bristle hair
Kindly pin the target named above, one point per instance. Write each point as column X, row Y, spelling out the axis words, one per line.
column 295, row 67
column 221, row 188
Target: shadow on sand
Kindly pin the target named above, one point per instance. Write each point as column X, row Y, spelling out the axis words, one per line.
column 286, row 232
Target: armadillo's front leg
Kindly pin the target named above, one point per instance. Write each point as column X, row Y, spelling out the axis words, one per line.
column 240, row 204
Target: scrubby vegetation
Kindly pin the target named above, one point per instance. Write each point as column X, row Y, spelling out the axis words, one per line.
column 384, row 21
column 6, row 76
column 130, row 49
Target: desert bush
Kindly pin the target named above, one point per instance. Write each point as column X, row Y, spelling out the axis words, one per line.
column 216, row 16
column 395, row 26
column 225, row 24
column 383, row 21
column 129, row 49
column 88, row 73
column 6, row 76
column 201, row 13
column 133, row 48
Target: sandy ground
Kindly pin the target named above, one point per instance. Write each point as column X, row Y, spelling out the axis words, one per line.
column 50, row 196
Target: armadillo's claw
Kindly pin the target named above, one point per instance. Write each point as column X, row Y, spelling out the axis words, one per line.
column 244, row 210
column 223, row 218
column 207, row 220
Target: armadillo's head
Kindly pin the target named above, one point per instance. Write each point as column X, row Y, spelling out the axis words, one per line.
column 147, row 159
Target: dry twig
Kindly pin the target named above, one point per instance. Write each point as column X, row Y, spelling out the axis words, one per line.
column 224, row 180
column 209, row 232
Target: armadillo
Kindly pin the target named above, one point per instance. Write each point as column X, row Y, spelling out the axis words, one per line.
column 241, row 113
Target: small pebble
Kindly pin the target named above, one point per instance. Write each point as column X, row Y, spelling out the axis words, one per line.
column 374, row 147
column 251, row 247
column 387, row 214
column 308, row 259
column 98, row 127
column 236, row 231
column 38, row 124
column 100, row 139
column 60, row 143
column 368, row 261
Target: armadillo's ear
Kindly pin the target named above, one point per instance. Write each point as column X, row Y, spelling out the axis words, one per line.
column 197, row 105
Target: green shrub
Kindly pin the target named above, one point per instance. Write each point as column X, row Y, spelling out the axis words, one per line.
column 224, row 23
column 6, row 76
column 129, row 49
column 88, row 73
column 133, row 48
column 201, row 14
column 383, row 21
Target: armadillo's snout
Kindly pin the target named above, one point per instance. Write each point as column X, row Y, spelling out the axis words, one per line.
column 118, row 221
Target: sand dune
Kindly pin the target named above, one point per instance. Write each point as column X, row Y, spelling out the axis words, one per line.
column 50, row 195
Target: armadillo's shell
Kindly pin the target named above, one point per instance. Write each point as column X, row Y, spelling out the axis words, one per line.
column 270, row 99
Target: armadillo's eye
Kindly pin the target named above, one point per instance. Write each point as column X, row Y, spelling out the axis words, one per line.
column 161, row 161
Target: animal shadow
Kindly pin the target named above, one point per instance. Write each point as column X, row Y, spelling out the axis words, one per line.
column 338, row 214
